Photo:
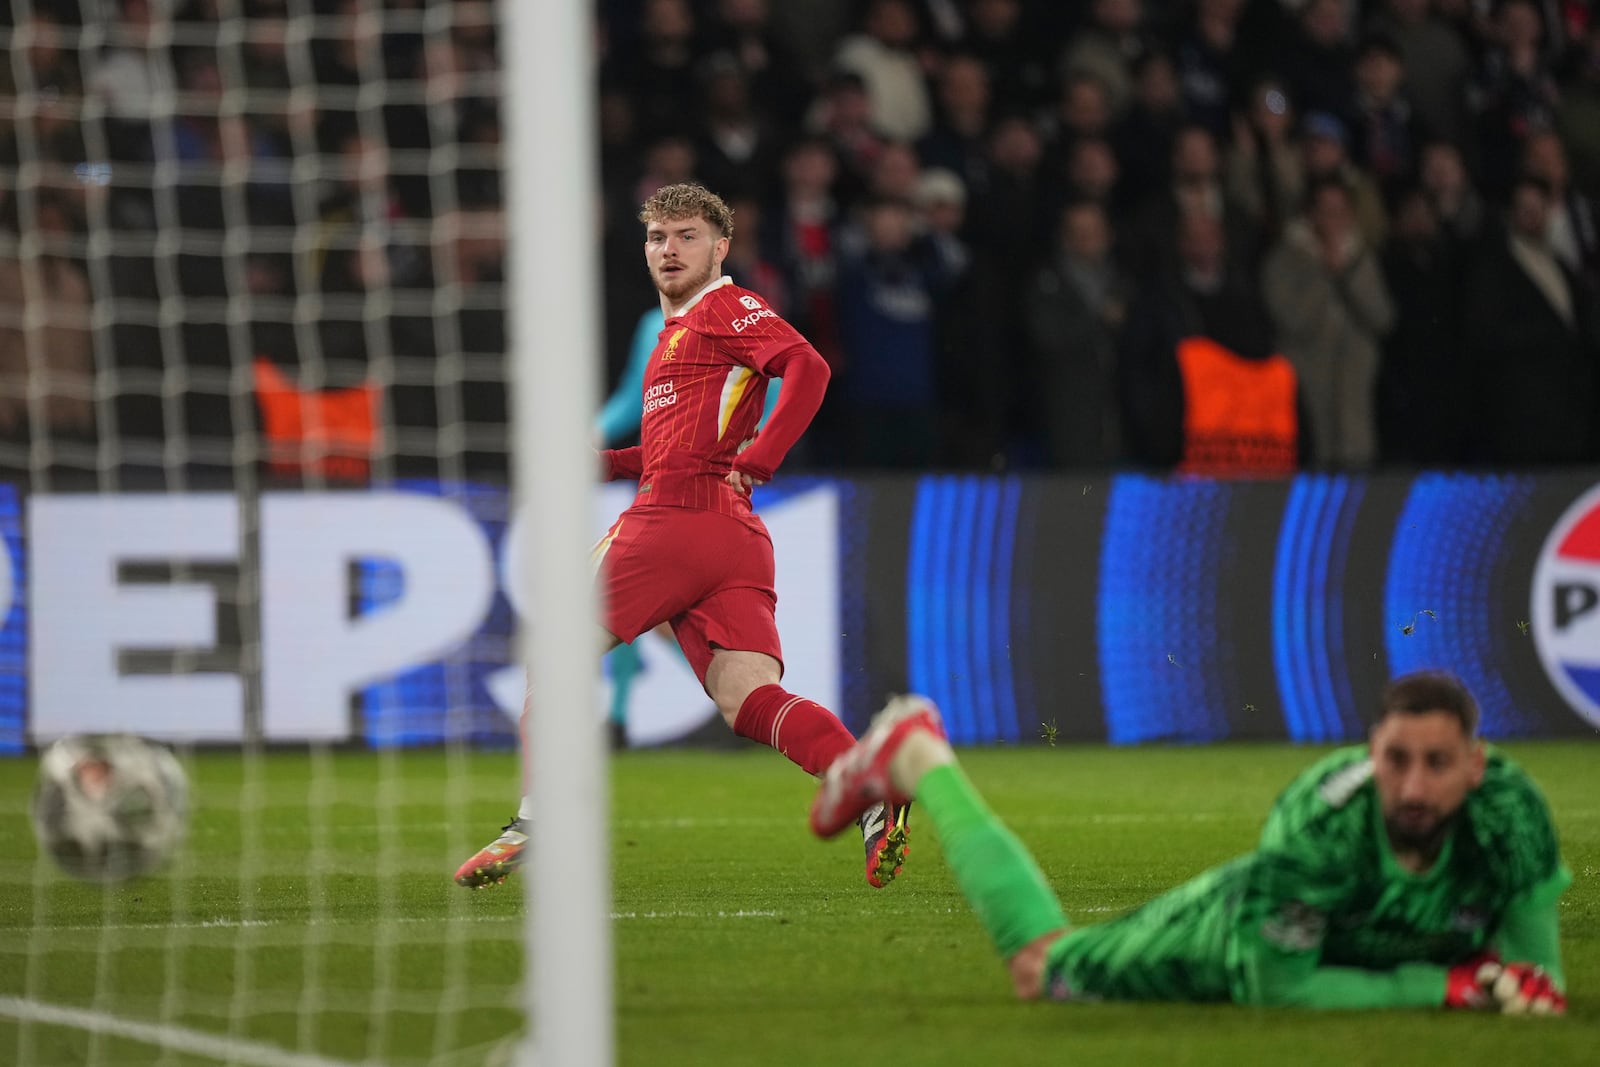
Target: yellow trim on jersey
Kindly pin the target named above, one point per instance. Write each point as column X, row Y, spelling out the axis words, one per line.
column 598, row 553
column 733, row 388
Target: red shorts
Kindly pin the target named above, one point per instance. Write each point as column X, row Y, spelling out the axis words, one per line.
column 709, row 575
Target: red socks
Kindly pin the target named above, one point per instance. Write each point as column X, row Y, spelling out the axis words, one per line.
column 803, row 730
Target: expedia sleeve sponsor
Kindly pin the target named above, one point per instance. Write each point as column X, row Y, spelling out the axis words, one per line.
column 740, row 325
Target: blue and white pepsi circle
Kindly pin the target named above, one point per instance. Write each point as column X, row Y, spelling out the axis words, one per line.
column 1566, row 606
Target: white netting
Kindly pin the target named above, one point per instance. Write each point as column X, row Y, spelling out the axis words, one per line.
column 252, row 250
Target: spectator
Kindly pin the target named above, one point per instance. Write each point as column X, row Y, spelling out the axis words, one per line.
column 1319, row 60
column 1266, row 172
column 1000, row 34
column 1196, row 189
column 1075, row 311
column 128, row 78
column 884, row 57
column 895, row 174
column 743, row 29
column 811, row 31
column 887, row 295
column 1436, row 61
column 1005, row 220
column 941, row 203
column 1449, row 190
column 842, row 115
column 737, row 148
column 959, row 139
column 972, row 400
column 1108, row 47
column 746, row 263
column 52, row 83
column 1142, row 138
column 1578, row 117
column 1422, row 386
column 1324, row 145
column 335, row 53
column 1211, row 64
column 359, row 210
column 1532, row 345
column 668, row 160
column 1007, row 229
column 1093, row 174
column 657, row 68
column 1387, row 136
column 53, row 71
column 1399, row 118
column 47, row 359
column 1197, row 350
column 800, row 239
column 264, row 54
column 1574, row 235
column 621, row 156
column 475, row 262
column 1326, row 293
column 1518, row 93
column 1082, row 111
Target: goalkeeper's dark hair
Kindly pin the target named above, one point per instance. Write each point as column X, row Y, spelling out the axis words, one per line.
column 687, row 200
column 1422, row 692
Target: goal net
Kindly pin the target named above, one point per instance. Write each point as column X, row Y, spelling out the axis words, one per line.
column 254, row 463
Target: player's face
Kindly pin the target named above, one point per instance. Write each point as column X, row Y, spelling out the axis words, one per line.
column 683, row 255
column 1424, row 766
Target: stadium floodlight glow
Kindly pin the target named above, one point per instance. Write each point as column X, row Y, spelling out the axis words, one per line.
column 553, row 273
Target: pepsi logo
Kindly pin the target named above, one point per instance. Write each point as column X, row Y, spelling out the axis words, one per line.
column 1566, row 606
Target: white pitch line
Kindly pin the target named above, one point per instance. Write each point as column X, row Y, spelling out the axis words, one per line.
column 694, row 822
column 163, row 1035
column 406, row 920
column 417, row 920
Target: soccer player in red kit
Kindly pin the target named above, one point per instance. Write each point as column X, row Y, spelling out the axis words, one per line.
column 690, row 550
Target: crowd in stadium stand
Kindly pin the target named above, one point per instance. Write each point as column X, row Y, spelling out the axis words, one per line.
column 1226, row 235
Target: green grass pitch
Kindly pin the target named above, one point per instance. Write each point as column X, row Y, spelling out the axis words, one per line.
column 326, row 921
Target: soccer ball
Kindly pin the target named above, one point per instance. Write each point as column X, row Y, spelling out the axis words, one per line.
column 109, row 806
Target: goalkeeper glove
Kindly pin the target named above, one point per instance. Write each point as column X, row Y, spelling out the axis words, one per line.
column 1487, row 983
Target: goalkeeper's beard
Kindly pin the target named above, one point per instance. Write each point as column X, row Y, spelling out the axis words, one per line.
column 1405, row 836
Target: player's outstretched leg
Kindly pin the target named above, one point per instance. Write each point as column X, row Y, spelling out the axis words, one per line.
column 904, row 754
column 492, row 863
column 810, row 735
column 859, row 780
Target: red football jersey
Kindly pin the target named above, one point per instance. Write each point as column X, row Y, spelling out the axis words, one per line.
column 704, row 390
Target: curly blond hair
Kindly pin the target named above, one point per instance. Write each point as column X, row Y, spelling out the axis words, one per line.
column 686, row 200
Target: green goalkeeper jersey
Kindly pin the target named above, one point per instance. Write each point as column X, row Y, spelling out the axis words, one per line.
column 1322, row 914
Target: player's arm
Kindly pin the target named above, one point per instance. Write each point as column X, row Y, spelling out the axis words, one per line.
column 1275, row 948
column 622, row 464
column 1530, row 930
column 1269, row 974
column 1522, row 837
column 805, row 377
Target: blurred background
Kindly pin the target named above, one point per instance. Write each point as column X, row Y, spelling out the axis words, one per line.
column 1230, row 236
column 1332, row 263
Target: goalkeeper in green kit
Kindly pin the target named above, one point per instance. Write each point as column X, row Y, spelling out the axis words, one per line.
column 1419, row 870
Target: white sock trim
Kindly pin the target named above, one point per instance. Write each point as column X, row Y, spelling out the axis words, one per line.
column 777, row 720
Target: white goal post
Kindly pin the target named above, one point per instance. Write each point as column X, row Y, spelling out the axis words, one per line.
column 259, row 414
column 547, row 55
